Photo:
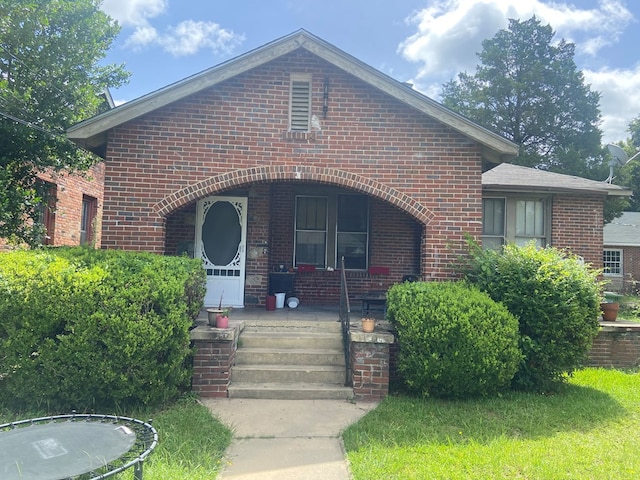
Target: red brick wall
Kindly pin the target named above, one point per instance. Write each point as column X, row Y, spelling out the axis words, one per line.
column 235, row 134
column 68, row 206
column 577, row 224
column 617, row 347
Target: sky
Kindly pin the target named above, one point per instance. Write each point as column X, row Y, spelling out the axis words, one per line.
column 425, row 42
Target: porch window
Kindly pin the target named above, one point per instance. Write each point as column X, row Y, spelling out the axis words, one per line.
column 300, row 103
column 612, row 262
column 331, row 227
column 493, row 216
column 89, row 209
column 352, row 231
column 311, row 231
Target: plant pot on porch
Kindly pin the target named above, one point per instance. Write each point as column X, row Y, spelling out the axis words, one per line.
column 368, row 325
column 609, row 311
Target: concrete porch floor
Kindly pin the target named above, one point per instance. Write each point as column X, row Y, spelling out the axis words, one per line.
column 322, row 313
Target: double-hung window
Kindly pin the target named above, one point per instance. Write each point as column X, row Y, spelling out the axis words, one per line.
column 352, row 231
column 493, row 215
column 311, row 231
column 530, row 222
column 89, row 209
column 517, row 220
column 612, row 262
column 331, row 227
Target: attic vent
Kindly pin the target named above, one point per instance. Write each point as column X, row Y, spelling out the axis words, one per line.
column 300, row 103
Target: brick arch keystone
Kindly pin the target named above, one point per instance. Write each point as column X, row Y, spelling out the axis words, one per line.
column 226, row 181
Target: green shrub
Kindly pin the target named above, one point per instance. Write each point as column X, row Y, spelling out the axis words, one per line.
column 84, row 329
column 454, row 341
column 555, row 297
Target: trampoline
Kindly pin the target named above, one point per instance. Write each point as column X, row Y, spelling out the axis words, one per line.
column 76, row 446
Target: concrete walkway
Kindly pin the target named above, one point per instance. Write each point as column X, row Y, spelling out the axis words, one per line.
column 286, row 439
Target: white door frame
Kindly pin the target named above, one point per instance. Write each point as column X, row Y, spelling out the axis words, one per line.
column 226, row 280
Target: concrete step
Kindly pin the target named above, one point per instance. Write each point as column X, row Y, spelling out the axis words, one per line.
column 290, row 391
column 288, row 356
column 289, row 374
column 298, row 340
column 291, row 326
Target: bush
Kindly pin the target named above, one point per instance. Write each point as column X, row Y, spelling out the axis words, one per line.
column 555, row 297
column 454, row 341
column 84, row 329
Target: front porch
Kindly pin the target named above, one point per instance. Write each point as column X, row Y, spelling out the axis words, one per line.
column 290, row 353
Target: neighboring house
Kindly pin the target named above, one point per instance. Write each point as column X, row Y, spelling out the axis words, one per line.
column 71, row 214
column 621, row 253
column 298, row 154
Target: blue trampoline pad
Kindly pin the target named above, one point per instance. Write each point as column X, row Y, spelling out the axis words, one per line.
column 59, row 450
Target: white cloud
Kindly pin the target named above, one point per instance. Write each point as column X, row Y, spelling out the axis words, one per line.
column 134, row 13
column 620, row 99
column 186, row 38
column 449, row 33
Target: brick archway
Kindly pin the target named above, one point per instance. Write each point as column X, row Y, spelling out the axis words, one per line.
column 264, row 174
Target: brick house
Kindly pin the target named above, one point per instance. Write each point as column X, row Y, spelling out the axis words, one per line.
column 621, row 253
column 297, row 154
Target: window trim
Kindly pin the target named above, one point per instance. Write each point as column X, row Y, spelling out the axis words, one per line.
column 620, row 251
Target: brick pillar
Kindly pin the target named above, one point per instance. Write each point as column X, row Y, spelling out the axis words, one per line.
column 215, row 351
column 370, row 365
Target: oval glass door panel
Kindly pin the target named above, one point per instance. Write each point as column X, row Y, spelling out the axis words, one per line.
column 221, row 233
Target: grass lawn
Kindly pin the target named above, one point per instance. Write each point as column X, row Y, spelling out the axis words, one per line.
column 191, row 442
column 591, row 430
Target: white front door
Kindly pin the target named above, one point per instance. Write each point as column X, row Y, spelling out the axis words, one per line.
column 220, row 243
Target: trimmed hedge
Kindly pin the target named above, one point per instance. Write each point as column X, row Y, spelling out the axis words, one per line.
column 454, row 341
column 92, row 330
column 554, row 295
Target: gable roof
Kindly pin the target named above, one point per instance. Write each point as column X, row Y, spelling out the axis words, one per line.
column 623, row 231
column 514, row 178
column 91, row 133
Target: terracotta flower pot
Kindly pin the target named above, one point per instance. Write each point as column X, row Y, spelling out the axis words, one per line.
column 222, row 321
column 368, row 325
column 609, row 311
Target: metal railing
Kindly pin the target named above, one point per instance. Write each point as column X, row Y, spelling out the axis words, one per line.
column 345, row 311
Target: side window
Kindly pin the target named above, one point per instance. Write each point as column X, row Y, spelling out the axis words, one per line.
column 530, row 222
column 89, row 210
column 493, row 218
column 47, row 213
column 612, row 262
column 300, row 103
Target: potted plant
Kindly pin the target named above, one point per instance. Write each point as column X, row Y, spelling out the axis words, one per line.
column 368, row 324
column 610, row 306
column 222, row 318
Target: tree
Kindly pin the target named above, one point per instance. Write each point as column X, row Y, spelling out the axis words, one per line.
column 50, row 78
column 529, row 91
column 629, row 174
